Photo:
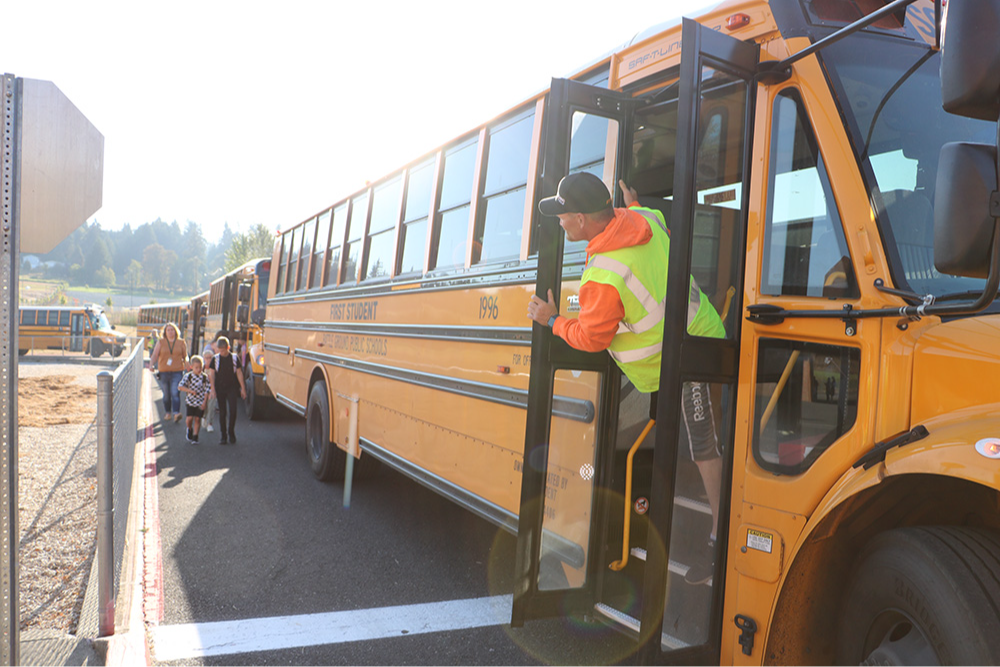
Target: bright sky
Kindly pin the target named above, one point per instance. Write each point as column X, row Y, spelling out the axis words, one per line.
column 266, row 112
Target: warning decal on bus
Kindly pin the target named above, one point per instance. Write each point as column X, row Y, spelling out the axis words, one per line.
column 759, row 540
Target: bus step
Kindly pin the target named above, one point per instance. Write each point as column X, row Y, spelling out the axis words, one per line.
column 667, row 642
column 674, row 566
column 619, row 617
column 692, row 504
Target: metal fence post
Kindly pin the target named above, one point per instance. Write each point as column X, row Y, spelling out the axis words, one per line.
column 105, row 503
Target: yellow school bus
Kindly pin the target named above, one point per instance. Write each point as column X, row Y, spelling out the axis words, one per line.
column 836, row 216
column 237, row 303
column 68, row 328
column 154, row 316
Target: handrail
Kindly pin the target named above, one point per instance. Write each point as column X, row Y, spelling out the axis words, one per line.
column 626, row 526
column 766, row 417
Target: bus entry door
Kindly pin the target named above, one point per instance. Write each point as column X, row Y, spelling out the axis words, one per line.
column 76, row 332
column 565, row 472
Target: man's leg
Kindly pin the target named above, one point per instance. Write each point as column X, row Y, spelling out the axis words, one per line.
column 222, row 399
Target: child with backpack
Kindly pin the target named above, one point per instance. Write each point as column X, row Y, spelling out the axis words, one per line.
column 197, row 386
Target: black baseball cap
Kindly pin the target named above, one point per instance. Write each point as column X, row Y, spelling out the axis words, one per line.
column 577, row 193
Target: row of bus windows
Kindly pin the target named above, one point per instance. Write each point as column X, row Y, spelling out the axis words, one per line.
column 52, row 318
column 384, row 231
column 337, row 247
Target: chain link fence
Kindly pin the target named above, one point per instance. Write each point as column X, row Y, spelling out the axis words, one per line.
column 118, row 397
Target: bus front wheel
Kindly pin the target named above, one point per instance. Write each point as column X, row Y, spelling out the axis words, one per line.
column 325, row 458
column 96, row 348
column 924, row 596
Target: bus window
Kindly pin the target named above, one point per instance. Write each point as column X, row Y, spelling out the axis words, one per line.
column 807, row 398
column 805, row 252
column 64, row 318
column 322, row 241
column 355, row 238
column 382, row 228
column 293, row 258
column 282, row 264
column 417, row 210
column 453, row 209
column 28, row 317
column 305, row 254
column 336, row 243
column 499, row 232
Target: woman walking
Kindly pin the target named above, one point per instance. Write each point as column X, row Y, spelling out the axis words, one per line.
column 169, row 358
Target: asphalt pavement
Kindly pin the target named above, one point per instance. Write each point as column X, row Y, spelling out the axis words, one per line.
column 263, row 564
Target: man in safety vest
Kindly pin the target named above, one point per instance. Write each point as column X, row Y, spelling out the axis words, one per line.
column 622, row 295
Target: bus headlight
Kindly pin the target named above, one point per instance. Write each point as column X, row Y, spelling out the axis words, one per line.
column 989, row 447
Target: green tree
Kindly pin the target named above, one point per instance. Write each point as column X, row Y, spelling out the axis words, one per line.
column 97, row 257
column 258, row 242
column 104, row 277
column 157, row 264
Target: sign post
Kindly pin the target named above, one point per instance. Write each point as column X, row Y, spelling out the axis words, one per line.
column 51, row 180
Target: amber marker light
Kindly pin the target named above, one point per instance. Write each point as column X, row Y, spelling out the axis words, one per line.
column 737, row 21
column 989, row 447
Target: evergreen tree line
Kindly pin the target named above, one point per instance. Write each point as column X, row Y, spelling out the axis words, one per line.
column 156, row 255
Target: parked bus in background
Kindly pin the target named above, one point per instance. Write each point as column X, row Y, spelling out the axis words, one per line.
column 859, row 500
column 198, row 313
column 237, row 304
column 68, row 328
column 153, row 316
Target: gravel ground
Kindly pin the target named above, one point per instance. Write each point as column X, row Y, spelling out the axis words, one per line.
column 57, row 480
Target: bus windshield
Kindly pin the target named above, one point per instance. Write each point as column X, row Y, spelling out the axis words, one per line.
column 890, row 95
column 99, row 321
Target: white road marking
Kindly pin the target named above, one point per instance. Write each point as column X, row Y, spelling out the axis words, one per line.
column 192, row 640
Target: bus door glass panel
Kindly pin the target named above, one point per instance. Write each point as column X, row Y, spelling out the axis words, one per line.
column 382, row 229
column 806, row 399
column 593, row 148
column 499, row 235
column 415, row 213
column 805, row 251
column 76, row 332
column 568, row 502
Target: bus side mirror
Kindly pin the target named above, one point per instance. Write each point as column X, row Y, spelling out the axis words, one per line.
column 257, row 317
column 204, row 309
column 963, row 222
column 243, row 293
column 970, row 60
column 243, row 313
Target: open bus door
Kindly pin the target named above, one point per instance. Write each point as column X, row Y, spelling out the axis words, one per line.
column 704, row 201
column 562, row 472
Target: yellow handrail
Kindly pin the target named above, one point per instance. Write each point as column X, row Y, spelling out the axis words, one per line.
column 777, row 390
column 620, row 564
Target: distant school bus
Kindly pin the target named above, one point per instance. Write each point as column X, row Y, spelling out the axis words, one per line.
column 154, row 316
column 838, row 218
column 198, row 314
column 68, row 328
column 237, row 303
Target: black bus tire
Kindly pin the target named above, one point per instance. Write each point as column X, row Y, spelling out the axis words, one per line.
column 257, row 406
column 326, row 459
column 96, row 348
column 922, row 596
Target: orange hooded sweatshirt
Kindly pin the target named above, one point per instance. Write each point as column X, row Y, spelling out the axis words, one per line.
column 601, row 307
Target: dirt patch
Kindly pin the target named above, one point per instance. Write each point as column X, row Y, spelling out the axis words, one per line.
column 52, row 400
